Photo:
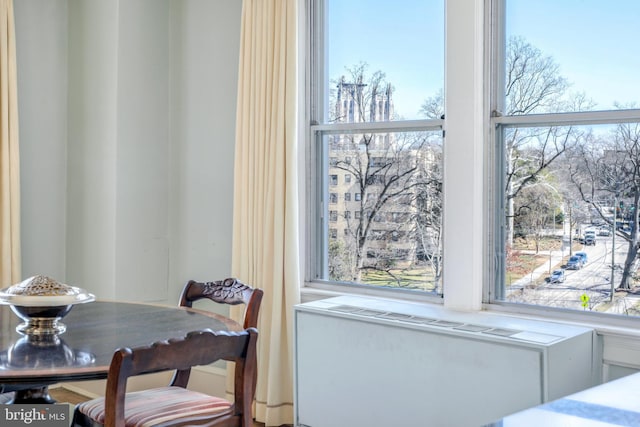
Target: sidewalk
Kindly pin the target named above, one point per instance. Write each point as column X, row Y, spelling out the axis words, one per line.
column 542, row 270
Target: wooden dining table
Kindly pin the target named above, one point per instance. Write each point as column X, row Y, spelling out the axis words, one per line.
column 94, row 330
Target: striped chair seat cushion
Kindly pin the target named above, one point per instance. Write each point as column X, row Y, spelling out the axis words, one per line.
column 159, row 405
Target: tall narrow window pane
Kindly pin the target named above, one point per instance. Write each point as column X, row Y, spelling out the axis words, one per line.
column 387, row 56
column 575, row 239
column 394, row 239
column 571, row 55
column 570, row 165
column 378, row 103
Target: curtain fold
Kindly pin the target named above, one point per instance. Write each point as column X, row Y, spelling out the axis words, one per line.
column 9, row 155
column 265, row 230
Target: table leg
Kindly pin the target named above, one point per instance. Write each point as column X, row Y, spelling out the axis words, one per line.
column 33, row 395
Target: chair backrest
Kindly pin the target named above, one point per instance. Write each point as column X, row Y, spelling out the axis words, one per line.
column 197, row 348
column 228, row 291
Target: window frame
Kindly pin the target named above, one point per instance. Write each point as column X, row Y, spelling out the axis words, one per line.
column 317, row 129
column 471, row 30
column 494, row 283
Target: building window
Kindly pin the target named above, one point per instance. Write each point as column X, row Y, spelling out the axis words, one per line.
column 381, row 128
column 567, row 119
column 333, row 198
column 347, row 197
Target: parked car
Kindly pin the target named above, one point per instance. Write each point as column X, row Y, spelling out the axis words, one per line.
column 557, row 276
column 590, row 240
column 584, row 257
column 574, row 263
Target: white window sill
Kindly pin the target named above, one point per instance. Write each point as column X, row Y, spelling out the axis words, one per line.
column 605, row 325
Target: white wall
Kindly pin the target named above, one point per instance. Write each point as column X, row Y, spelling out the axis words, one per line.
column 91, row 146
column 41, row 44
column 127, row 120
column 205, row 41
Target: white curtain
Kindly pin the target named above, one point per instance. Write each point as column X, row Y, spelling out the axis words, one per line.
column 9, row 154
column 265, row 230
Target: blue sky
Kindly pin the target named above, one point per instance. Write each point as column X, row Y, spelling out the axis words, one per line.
column 595, row 42
column 407, row 43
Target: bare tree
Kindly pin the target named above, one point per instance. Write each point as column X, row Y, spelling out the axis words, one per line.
column 536, row 211
column 433, row 107
column 533, row 84
column 609, row 169
column 387, row 178
column 530, row 153
column 533, row 81
column 389, row 172
column 427, row 217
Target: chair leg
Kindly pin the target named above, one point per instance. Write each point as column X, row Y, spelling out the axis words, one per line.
column 81, row 420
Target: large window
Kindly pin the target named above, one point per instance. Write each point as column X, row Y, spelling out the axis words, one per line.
column 378, row 76
column 566, row 127
column 560, row 98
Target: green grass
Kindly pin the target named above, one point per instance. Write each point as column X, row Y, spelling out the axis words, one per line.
column 521, row 265
column 414, row 278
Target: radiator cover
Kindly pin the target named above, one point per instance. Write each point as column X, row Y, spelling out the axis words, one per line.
column 372, row 362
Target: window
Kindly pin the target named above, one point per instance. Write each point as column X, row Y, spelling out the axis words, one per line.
column 333, row 198
column 567, row 130
column 347, row 197
column 376, row 108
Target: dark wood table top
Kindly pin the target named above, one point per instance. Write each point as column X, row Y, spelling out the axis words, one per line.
column 94, row 331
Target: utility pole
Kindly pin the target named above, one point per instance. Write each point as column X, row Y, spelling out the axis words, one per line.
column 613, row 245
column 570, row 233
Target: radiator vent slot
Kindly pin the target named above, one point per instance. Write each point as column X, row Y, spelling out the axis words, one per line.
column 408, row 318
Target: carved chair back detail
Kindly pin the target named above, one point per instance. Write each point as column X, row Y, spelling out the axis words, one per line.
column 228, row 291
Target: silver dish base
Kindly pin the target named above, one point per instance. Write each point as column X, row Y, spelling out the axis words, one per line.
column 42, row 326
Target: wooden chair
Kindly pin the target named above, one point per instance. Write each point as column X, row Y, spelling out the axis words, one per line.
column 227, row 291
column 173, row 405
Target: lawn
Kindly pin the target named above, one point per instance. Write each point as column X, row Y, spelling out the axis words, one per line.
column 417, row 278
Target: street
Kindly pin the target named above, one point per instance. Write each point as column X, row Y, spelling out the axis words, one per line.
column 592, row 280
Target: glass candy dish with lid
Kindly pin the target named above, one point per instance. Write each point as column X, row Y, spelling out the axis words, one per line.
column 41, row 302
